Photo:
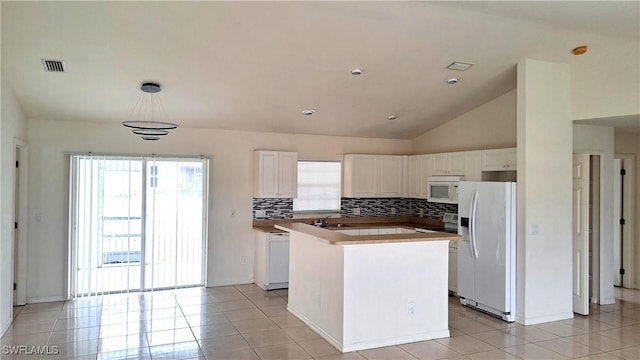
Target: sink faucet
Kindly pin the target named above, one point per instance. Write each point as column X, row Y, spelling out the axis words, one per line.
column 322, row 222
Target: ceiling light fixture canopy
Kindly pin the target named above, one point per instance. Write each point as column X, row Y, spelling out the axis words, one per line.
column 149, row 117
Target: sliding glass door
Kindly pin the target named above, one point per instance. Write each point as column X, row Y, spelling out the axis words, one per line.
column 136, row 223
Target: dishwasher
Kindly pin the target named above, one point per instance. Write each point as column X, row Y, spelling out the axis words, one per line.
column 278, row 261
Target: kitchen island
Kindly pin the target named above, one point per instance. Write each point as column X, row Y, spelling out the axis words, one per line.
column 368, row 291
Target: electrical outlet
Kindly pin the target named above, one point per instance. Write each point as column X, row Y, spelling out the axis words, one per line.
column 244, row 260
column 393, row 211
column 421, row 212
column 356, row 211
column 261, row 213
column 411, row 308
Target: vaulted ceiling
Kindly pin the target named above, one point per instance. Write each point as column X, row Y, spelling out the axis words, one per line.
column 258, row 65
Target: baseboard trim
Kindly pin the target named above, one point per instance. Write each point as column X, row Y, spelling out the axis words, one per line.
column 43, row 299
column 6, row 326
column 226, row 283
column 544, row 319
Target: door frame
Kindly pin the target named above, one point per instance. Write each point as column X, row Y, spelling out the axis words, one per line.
column 580, row 234
column 628, row 261
column 19, row 270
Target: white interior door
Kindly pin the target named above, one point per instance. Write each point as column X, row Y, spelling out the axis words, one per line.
column 580, row 234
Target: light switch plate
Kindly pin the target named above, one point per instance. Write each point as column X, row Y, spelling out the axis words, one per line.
column 356, row 211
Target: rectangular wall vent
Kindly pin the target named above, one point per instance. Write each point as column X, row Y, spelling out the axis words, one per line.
column 54, row 65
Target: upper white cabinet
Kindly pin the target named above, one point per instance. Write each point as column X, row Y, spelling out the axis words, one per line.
column 473, row 165
column 372, row 176
column 276, row 174
column 499, row 159
column 418, row 170
column 447, row 164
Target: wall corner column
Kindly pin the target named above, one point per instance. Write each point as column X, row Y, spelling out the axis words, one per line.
column 544, row 205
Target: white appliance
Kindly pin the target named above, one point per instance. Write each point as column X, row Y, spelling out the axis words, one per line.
column 487, row 253
column 443, row 189
column 278, row 261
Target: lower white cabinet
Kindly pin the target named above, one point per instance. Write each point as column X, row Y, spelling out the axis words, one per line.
column 453, row 267
column 271, row 267
column 377, row 231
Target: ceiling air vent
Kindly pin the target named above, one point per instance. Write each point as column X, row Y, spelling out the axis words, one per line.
column 54, row 65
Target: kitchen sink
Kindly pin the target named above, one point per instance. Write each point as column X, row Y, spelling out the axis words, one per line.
column 333, row 225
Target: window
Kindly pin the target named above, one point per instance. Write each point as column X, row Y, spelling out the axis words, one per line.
column 318, row 186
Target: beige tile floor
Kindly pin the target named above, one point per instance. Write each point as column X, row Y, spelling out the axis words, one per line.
column 244, row 322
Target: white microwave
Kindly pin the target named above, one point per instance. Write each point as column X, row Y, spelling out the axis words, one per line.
column 443, row 189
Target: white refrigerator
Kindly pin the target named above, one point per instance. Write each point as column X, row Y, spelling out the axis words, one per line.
column 487, row 252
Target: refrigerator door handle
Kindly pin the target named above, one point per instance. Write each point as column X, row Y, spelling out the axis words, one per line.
column 474, row 207
column 471, row 223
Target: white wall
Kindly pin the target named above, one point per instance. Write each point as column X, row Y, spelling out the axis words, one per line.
column 231, row 187
column 489, row 126
column 629, row 143
column 598, row 140
column 606, row 82
column 13, row 125
column 544, row 128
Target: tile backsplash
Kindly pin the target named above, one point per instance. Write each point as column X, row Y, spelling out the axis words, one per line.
column 283, row 208
column 275, row 208
column 430, row 209
column 375, row 207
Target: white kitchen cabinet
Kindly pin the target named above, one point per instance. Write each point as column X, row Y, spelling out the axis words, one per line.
column 276, row 174
column 370, row 231
column 448, row 163
column 390, row 176
column 499, row 159
column 473, row 165
column 413, row 176
column 418, row 171
column 372, row 176
column 386, row 231
column 453, row 267
column 271, row 260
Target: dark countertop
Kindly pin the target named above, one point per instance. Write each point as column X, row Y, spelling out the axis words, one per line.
column 268, row 226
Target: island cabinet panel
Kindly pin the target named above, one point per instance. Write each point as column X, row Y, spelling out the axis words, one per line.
column 371, row 176
column 335, row 289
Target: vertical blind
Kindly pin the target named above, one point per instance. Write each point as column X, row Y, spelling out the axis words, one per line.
column 318, row 186
column 136, row 223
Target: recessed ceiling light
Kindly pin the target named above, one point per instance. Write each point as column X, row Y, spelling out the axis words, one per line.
column 452, row 81
column 459, row 66
column 579, row 50
column 392, row 117
column 356, row 71
column 308, row 112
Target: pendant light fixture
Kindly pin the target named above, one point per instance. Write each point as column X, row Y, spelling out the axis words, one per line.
column 149, row 118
